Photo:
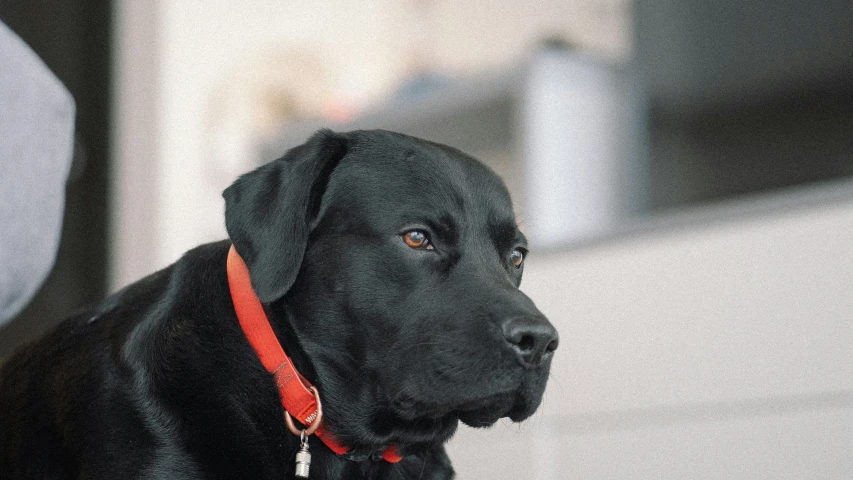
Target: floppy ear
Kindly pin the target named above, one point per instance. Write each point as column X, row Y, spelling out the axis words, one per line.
column 269, row 211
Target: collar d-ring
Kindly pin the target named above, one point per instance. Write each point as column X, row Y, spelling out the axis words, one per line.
column 314, row 424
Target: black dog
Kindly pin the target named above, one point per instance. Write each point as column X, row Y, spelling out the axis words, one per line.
column 389, row 269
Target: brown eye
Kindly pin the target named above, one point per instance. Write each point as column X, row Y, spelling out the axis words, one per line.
column 516, row 257
column 417, row 239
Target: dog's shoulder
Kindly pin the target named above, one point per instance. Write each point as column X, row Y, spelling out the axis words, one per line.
column 75, row 387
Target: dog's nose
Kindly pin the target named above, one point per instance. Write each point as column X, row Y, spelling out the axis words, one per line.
column 532, row 338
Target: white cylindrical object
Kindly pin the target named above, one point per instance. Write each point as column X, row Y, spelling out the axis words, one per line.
column 578, row 131
column 303, row 463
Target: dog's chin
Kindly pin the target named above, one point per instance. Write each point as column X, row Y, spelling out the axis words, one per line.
column 482, row 418
column 516, row 409
column 479, row 413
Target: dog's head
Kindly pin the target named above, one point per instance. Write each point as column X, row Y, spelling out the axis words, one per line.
column 396, row 264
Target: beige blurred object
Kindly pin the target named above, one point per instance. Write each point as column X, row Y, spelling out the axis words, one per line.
column 482, row 34
column 257, row 97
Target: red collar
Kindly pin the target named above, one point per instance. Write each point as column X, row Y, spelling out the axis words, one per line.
column 294, row 389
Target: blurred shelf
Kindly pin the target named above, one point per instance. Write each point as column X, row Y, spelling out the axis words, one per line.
column 587, row 155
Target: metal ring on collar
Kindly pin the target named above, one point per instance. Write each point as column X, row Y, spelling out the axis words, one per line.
column 316, row 423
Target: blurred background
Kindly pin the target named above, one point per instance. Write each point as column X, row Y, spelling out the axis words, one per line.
column 684, row 170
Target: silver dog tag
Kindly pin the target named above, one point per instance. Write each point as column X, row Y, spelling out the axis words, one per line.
column 303, row 460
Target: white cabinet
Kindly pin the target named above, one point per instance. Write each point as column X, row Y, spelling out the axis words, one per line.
column 713, row 344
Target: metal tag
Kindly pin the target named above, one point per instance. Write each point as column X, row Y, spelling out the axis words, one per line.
column 303, row 459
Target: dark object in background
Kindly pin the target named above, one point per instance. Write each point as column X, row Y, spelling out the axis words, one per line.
column 73, row 37
column 389, row 269
column 744, row 96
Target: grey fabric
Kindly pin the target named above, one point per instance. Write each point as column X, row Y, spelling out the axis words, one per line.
column 36, row 142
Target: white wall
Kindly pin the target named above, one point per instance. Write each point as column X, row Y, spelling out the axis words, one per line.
column 196, row 78
column 720, row 351
column 178, row 62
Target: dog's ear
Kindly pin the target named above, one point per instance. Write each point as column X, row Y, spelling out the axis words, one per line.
column 269, row 211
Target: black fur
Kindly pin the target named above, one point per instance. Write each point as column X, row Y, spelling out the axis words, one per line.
column 160, row 382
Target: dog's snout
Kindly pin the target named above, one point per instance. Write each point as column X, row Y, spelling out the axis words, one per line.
column 532, row 338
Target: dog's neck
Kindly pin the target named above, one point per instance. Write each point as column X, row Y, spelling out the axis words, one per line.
column 359, row 413
column 299, row 398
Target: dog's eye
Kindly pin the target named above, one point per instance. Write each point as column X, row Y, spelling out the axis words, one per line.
column 516, row 257
column 417, row 239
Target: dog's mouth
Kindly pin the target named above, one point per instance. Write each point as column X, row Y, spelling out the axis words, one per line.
column 514, row 406
column 485, row 416
column 482, row 412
